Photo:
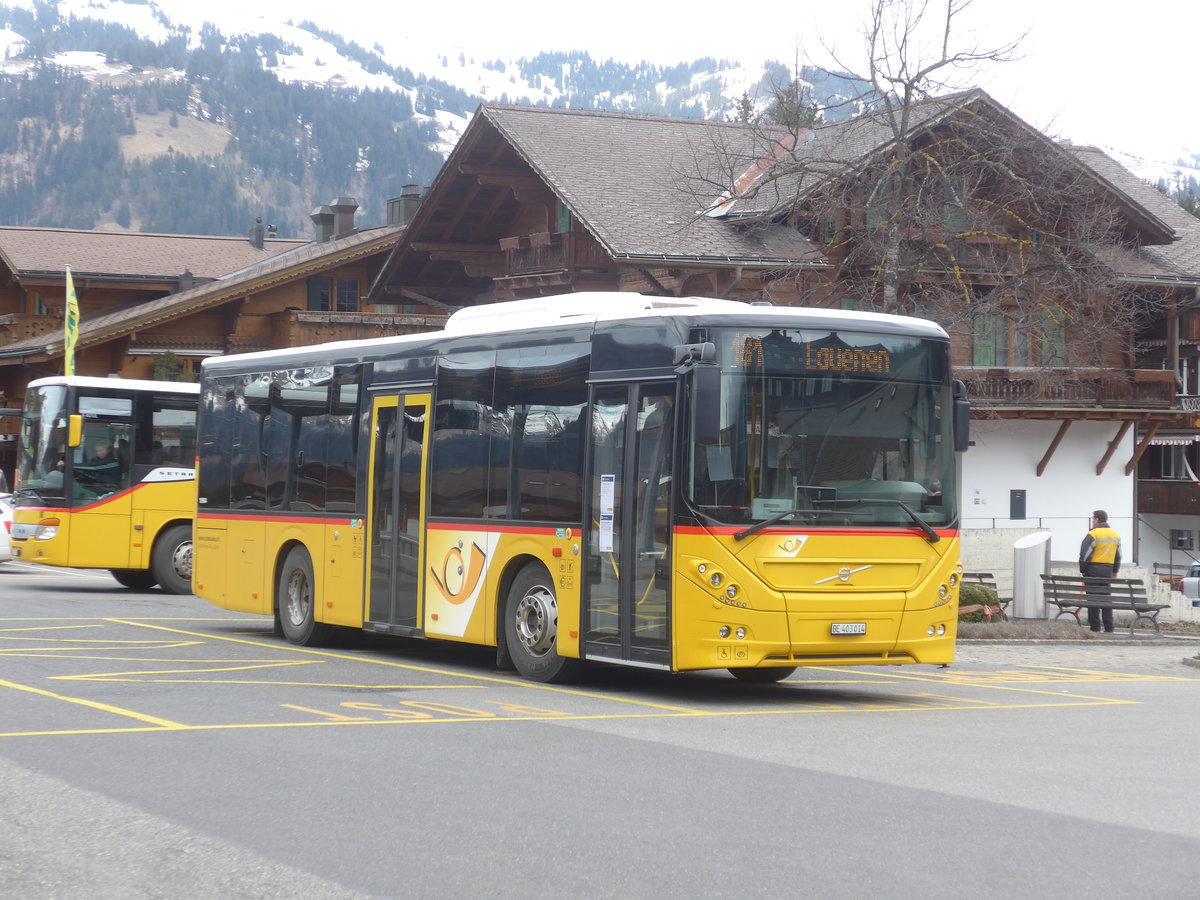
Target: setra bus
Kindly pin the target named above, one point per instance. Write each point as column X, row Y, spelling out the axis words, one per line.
column 674, row 483
column 106, row 478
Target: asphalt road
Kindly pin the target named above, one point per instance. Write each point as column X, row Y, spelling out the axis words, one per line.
column 156, row 746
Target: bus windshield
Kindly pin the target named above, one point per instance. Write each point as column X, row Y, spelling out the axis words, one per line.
column 40, row 468
column 829, row 429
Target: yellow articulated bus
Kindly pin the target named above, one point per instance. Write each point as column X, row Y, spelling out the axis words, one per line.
column 106, row 478
column 672, row 483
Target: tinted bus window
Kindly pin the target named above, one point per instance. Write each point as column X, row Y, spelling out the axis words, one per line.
column 216, row 473
column 544, row 392
column 251, row 402
column 341, row 463
column 463, row 433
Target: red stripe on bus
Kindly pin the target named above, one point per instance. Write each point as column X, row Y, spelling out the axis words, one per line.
column 784, row 529
column 501, row 528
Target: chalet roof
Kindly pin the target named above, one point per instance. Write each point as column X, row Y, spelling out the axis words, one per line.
column 633, row 181
column 1178, row 261
column 852, row 143
column 298, row 262
column 157, row 257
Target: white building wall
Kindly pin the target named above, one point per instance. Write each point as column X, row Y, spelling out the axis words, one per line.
column 1004, row 457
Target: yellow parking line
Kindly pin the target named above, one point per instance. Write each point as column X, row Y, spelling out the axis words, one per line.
column 103, row 707
column 371, row 660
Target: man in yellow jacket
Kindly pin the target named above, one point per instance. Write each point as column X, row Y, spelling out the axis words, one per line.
column 1100, row 557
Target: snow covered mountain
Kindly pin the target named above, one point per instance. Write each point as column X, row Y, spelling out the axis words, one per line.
column 441, row 83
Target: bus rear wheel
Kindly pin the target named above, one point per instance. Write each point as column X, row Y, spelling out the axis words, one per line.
column 171, row 561
column 762, row 676
column 531, row 626
column 134, row 579
column 295, row 600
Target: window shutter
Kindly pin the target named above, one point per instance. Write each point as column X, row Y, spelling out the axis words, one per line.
column 984, row 345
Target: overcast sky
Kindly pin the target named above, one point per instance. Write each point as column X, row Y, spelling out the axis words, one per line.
column 1122, row 76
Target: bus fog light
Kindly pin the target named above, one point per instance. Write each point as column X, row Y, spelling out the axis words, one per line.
column 740, row 633
column 931, row 632
column 941, row 629
column 724, row 632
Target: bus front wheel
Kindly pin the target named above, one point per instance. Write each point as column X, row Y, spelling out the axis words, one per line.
column 134, row 579
column 531, row 626
column 295, row 599
column 171, row 561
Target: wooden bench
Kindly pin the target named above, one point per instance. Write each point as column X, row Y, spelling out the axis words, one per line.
column 1072, row 593
column 987, row 580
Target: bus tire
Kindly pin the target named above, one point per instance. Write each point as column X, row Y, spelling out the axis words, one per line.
column 295, row 599
column 763, row 676
column 171, row 561
column 134, row 579
column 531, row 626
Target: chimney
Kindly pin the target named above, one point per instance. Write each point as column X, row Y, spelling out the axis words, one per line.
column 400, row 210
column 257, row 232
column 344, row 209
column 322, row 217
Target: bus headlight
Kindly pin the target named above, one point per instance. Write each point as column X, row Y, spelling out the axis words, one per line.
column 724, row 632
column 47, row 529
column 715, row 579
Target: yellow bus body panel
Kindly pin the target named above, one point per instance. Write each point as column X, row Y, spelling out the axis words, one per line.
column 466, row 571
column 791, row 590
column 117, row 532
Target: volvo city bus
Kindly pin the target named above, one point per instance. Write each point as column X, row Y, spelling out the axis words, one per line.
column 674, row 483
column 106, row 478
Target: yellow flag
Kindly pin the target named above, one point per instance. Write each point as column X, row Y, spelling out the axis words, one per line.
column 70, row 326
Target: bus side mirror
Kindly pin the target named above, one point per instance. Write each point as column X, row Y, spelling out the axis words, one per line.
column 698, row 362
column 74, row 430
column 962, row 417
column 706, row 403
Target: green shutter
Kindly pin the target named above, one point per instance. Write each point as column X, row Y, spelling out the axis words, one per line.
column 954, row 203
column 1054, row 336
column 984, row 346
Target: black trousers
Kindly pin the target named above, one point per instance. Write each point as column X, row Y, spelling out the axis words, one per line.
column 1100, row 592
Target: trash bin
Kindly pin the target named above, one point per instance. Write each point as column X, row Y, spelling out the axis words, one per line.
column 1031, row 559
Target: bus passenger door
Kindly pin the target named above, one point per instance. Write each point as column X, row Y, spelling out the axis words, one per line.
column 396, row 513
column 628, row 601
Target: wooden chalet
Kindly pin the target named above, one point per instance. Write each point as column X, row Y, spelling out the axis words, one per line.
column 538, row 201
column 240, row 296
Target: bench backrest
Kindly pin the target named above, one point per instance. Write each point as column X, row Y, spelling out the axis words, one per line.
column 1067, row 587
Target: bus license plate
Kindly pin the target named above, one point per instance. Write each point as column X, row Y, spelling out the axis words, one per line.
column 848, row 628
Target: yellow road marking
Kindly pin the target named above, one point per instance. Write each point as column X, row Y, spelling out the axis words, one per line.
column 492, row 679
column 103, row 707
column 568, row 717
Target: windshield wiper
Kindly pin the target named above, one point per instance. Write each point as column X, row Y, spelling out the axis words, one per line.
column 932, row 536
column 774, row 520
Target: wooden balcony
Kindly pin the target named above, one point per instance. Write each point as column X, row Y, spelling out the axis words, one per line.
column 20, row 326
column 300, row 328
column 1171, row 497
column 1026, row 388
column 545, row 252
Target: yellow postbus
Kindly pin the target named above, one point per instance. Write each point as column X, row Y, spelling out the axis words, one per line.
column 672, row 483
column 106, row 478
